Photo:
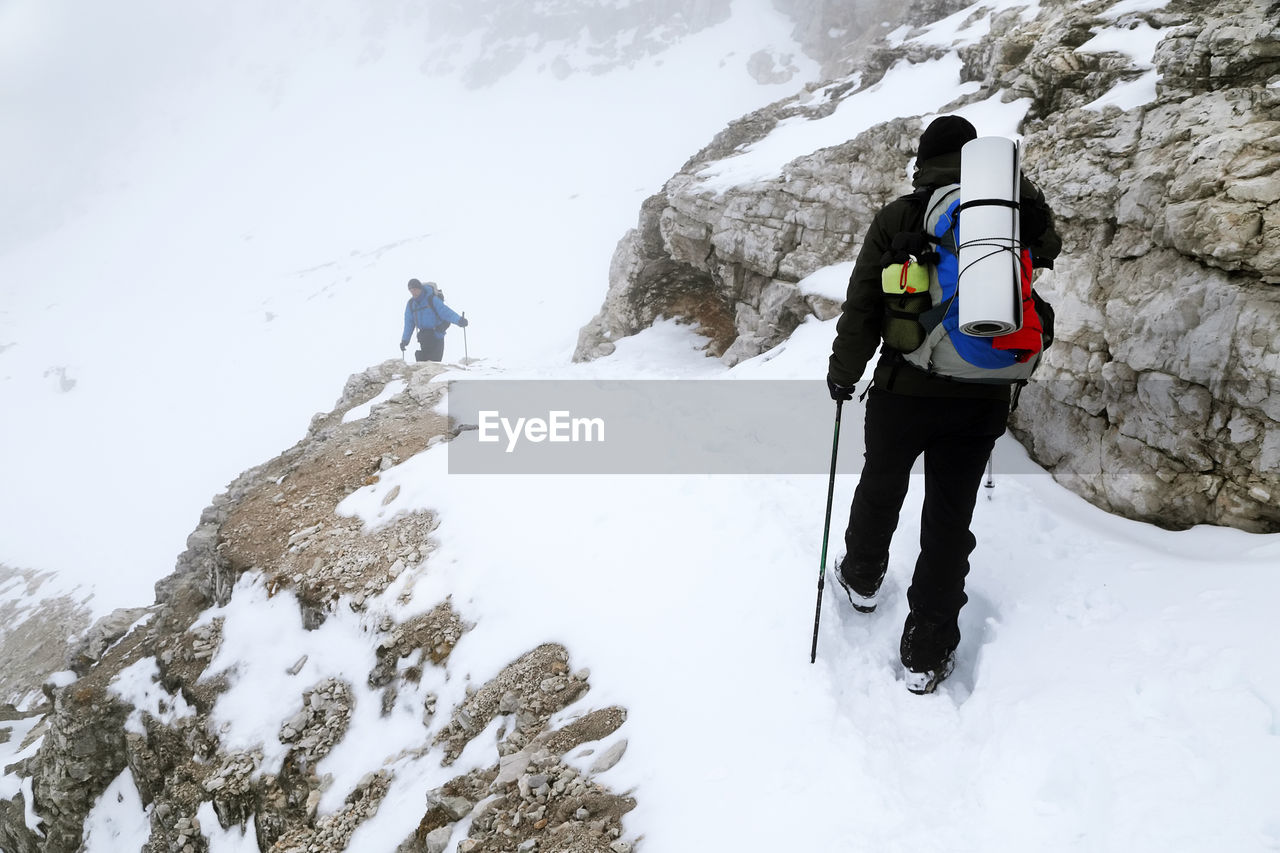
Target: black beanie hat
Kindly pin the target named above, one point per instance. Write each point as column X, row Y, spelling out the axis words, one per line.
column 944, row 135
column 413, row 282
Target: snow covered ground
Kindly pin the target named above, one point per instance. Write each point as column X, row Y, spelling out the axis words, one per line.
column 1116, row 688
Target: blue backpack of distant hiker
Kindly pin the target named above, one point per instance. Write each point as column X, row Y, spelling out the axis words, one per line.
column 921, row 283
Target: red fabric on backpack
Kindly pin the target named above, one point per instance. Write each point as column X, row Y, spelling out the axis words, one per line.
column 1027, row 341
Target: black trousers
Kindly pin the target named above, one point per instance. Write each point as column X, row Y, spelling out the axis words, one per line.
column 956, row 436
column 432, row 347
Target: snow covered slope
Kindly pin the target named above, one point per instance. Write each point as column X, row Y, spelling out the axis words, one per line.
column 210, row 216
column 1115, row 687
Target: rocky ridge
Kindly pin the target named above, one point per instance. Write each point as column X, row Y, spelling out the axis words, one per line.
column 484, row 40
column 277, row 524
column 33, row 633
column 1158, row 399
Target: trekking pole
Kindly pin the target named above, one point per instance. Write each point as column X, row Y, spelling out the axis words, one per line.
column 991, row 483
column 466, row 355
column 826, row 530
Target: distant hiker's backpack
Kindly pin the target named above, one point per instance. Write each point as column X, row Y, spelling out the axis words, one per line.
column 920, row 280
column 442, row 325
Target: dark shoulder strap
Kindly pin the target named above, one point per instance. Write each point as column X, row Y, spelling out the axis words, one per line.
column 921, row 198
column 914, row 241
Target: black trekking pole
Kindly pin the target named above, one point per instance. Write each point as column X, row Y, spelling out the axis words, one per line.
column 991, row 483
column 826, row 530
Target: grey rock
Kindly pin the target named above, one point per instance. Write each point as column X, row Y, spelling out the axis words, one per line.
column 609, row 757
column 511, row 767
column 438, row 839
column 509, row 703
column 456, row 808
column 101, row 636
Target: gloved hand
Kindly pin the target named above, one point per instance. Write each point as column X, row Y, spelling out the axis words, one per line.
column 839, row 392
column 463, row 323
column 403, row 344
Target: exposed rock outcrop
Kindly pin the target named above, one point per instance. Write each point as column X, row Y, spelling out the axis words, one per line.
column 485, row 39
column 836, row 32
column 33, row 630
column 142, row 702
column 1158, row 400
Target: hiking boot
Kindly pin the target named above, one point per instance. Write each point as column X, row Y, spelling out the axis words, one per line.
column 861, row 583
column 928, row 653
column 921, row 683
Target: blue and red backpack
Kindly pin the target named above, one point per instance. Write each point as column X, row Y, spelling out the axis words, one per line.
column 921, row 283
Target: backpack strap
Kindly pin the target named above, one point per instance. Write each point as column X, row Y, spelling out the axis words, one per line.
column 1017, row 393
column 898, row 361
column 916, row 242
column 989, row 202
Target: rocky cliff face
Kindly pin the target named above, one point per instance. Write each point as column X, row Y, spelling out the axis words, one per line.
column 837, row 32
column 1159, row 398
column 139, row 703
column 484, row 40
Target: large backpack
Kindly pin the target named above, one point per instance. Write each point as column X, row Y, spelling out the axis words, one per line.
column 921, row 282
column 435, row 322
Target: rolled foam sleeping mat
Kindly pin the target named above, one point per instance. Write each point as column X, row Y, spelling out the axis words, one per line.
column 990, row 291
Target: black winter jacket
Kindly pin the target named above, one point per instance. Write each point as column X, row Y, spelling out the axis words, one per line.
column 858, row 332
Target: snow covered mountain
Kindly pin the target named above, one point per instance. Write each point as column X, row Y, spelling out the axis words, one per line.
column 194, row 256
column 363, row 648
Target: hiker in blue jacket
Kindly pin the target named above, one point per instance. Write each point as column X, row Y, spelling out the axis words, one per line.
column 427, row 312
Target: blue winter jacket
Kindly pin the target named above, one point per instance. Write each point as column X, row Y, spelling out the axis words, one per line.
column 427, row 311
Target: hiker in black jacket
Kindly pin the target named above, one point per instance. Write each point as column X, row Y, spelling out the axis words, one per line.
column 909, row 411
